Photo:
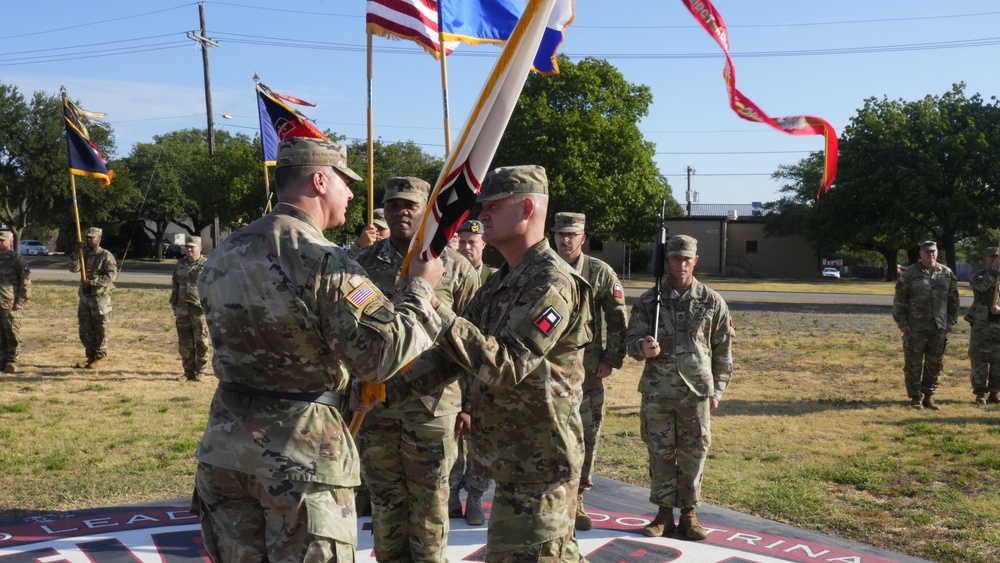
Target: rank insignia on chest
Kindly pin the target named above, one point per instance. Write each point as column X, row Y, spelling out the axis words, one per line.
column 361, row 295
column 617, row 291
column 548, row 321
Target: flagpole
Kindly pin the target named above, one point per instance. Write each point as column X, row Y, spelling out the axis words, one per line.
column 79, row 233
column 444, row 82
column 371, row 140
column 267, row 189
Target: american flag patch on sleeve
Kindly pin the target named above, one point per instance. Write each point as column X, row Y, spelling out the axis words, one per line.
column 361, row 295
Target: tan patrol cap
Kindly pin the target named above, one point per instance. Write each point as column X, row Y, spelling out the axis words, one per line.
column 508, row 180
column 928, row 245
column 193, row 241
column 378, row 218
column 990, row 251
column 408, row 188
column 6, row 235
column 306, row 151
column 95, row 232
column 683, row 246
column 569, row 223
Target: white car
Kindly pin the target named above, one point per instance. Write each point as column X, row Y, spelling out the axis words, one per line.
column 33, row 248
column 831, row 273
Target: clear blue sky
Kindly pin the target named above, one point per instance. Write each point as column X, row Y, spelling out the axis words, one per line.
column 133, row 61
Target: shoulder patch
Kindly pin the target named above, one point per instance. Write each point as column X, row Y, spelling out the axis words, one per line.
column 617, row 291
column 548, row 321
column 361, row 295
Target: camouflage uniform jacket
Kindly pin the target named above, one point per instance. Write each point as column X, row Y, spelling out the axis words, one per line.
column 101, row 271
column 609, row 314
column 926, row 298
column 484, row 272
column 522, row 338
column 15, row 281
column 458, row 284
column 289, row 311
column 184, row 286
column 984, row 291
column 696, row 335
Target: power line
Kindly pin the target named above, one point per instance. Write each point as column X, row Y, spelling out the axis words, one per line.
column 95, row 22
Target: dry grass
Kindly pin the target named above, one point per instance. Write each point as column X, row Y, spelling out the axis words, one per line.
column 813, row 431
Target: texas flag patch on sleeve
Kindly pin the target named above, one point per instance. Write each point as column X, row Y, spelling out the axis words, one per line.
column 548, row 321
column 617, row 291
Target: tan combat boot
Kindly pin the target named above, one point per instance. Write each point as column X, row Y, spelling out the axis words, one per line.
column 689, row 525
column 929, row 402
column 583, row 521
column 980, row 398
column 662, row 525
column 10, row 367
column 474, row 514
column 94, row 363
column 915, row 403
column 993, row 399
column 455, row 504
column 82, row 363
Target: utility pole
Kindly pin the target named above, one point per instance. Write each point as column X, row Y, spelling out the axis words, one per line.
column 205, row 44
column 691, row 196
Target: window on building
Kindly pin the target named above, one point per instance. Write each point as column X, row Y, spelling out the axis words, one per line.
column 751, row 247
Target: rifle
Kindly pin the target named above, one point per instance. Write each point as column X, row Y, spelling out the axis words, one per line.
column 658, row 264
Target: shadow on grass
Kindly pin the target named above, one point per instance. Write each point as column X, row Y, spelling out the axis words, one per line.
column 737, row 407
column 817, row 308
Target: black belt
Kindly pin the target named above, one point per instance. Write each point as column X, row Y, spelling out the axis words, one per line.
column 329, row 398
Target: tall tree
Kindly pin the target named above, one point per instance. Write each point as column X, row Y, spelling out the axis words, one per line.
column 582, row 125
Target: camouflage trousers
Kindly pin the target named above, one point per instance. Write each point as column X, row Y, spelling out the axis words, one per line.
column 467, row 473
column 10, row 335
column 533, row 522
column 984, row 354
column 923, row 359
column 592, row 416
column 94, row 315
column 249, row 518
column 677, row 433
column 406, row 464
column 192, row 341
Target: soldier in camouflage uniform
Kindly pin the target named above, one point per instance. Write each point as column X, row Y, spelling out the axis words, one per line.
column 15, row 289
column 291, row 315
column 925, row 309
column 466, row 473
column 94, row 312
column 408, row 450
column 371, row 234
column 600, row 358
column 192, row 330
column 520, row 344
column 984, row 340
column 688, row 365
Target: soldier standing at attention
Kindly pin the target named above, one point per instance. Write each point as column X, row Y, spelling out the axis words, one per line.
column 520, row 344
column 984, row 341
column 192, row 330
column 373, row 233
column 408, row 450
column 291, row 315
column 15, row 289
column 600, row 357
column 925, row 309
column 94, row 311
column 466, row 473
column 688, row 365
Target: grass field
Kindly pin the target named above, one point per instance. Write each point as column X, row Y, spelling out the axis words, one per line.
column 813, row 431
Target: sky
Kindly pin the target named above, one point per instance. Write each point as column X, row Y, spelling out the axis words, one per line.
column 134, row 61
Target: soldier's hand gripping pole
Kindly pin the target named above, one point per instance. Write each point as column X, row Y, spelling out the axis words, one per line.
column 658, row 265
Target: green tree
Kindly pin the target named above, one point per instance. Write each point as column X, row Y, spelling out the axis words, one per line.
column 582, row 125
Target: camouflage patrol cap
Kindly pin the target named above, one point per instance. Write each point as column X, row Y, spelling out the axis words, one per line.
column 408, row 188
column 682, row 245
column 990, row 251
column 306, row 151
column 928, row 245
column 378, row 218
column 193, row 241
column 569, row 223
column 508, row 180
column 94, row 232
column 471, row 226
column 6, row 235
